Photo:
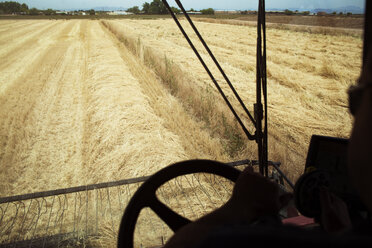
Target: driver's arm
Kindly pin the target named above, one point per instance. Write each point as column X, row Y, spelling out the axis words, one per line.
column 253, row 197
column 360, row 146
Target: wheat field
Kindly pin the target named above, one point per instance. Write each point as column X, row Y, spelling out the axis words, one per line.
column 308, row 76
column 89, row 101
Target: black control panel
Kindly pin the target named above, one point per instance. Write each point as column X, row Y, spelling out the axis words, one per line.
column 326, row 166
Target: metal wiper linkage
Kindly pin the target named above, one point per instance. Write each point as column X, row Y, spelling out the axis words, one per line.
column 260, row 111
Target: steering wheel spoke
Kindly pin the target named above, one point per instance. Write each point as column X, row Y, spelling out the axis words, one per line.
column 171, row 218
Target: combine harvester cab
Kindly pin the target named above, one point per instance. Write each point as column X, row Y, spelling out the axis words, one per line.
column 325, row 166
column 68, row 217
column 326, row 163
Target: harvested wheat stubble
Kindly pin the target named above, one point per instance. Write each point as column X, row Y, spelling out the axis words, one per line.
column 72, row 113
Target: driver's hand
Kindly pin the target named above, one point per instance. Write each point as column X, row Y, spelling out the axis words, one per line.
column 334, row 216
column 255, row 196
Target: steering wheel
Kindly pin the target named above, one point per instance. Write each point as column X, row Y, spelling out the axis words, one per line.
column 145, row 196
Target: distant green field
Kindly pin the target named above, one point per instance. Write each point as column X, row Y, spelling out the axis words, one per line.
column 354, row 22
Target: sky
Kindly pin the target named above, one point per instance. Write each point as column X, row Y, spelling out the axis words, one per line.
column 196, row 4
